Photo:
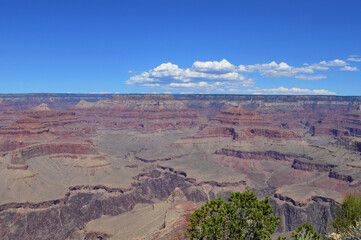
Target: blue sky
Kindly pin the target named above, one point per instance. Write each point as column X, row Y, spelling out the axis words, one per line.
column 239, row 47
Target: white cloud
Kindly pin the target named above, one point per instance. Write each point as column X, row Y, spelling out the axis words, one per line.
column 348, row 68
column 203, row 73
column 224, row 71
column 323, row 92
column 184, row 85
column 354, row 58
column 318, row 67
column 213, row 66
column 274, row 69
column 150, row 85
column 219, row 76
column 291, row 91
column 333, row 63
column 233, row 90
column 325, row 65
column 310, row 77
column 202, row 84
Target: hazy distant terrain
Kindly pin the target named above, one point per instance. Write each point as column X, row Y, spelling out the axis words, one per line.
column 87, row 166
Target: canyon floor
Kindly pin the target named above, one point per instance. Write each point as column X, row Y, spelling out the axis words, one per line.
column 88, row 166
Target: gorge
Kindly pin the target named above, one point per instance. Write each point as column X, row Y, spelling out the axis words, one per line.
column 100, row 166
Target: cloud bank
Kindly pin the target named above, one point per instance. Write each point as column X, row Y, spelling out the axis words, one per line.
column 292, row 91
column 223, row 76
column 354, row 58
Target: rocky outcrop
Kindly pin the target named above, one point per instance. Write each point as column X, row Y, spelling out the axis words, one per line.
column 339, row 176
column 96, row 236
column 311, row 166
column 40, row 108
column 146, row 113
column 17, row 162
column 34, row 122
column 19, row 102
column 176, row 219
column 12, row 166
column 210, row 145
column 152, row 160
column 61, row 217
column 352, row 124
column 56, row 148
column 242, row 123
column 221, row 131
column 9, row 145
column 26, row 126
column 319, row 212
column 347, row 124
column 239, row 116
column 258, row 155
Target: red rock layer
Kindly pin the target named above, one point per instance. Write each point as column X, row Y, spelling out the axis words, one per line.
column 344, row 125
column 56, row 148
column 241, row 123
column 12, row 145
column 148, row 114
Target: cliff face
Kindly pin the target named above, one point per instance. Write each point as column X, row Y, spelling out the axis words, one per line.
column 82, row 171
column 18, row 102
column 148, row 113
column 319, row 212
column 242, row 123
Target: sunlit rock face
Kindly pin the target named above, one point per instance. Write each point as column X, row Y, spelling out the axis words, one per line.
column 101, row 166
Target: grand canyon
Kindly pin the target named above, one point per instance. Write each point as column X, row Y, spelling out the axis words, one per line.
column 101, row 166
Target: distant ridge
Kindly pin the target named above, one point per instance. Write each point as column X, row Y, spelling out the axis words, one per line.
column 41, row 107
column 65, row 100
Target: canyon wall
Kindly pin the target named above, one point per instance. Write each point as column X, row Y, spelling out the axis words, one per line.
column 78, row 166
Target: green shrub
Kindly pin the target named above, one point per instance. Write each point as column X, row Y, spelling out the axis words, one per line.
column 351, row 233
column 305, row 232
column 242, row 217
column 351, row 212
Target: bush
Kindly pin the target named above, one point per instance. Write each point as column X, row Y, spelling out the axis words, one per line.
column 242, row 217
column 351, row 212
column 305, row 232
column 351, row 233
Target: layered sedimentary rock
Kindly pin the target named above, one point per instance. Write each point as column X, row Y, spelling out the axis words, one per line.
column 242, row 123
column 99, row 163
column 344, row 125
column 25, row 126
column 149, row 113
column 169, row 220
column 19, row 102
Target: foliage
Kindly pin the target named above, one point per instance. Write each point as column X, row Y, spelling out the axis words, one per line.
column 351, row 212
column 305, row 232
column 351, row 233
column 242, row 217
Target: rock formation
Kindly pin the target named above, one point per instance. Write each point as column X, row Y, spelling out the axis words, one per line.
column 136, row 166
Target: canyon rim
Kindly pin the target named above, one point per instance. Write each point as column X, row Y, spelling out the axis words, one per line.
column 78, row 166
